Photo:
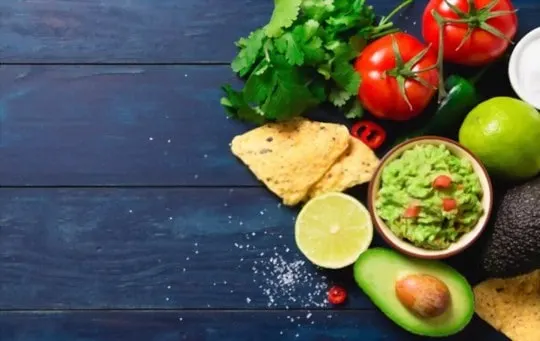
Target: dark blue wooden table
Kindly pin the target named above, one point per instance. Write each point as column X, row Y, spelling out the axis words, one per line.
column 123, row 214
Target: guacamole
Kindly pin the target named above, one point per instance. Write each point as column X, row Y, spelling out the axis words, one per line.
column 429, row 196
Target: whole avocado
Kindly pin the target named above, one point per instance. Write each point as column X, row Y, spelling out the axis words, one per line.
column 514, row 247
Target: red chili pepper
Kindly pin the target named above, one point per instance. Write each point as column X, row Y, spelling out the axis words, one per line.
column 372, row 134
column 337, row 295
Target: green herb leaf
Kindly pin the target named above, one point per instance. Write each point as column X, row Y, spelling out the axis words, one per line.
column 290, row 95
column 285, row 13
column 289, row 46
column 354, row 110
column 346, row 76
column 250, row 51
column 259, row 84
column 339, row 97
column 236, row 106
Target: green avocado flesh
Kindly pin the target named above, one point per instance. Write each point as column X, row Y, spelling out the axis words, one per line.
column 376, row 272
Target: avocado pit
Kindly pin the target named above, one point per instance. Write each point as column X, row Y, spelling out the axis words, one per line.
column 424, row 295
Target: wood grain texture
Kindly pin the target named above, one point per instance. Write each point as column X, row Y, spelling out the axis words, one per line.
column 147, row 31
column 112, row 125
column 300, row 325
column 166, row 31
column 131, row 126
column 160, row 248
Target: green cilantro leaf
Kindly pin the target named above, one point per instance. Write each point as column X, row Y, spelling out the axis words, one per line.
column 290, row 47
column 354, row 110
column 250, row 51
column 290, row 95
column 339, row 97
column 236, row 106
column 259, row 84
column 318, row 9
column 346, row 76
column 285, row 13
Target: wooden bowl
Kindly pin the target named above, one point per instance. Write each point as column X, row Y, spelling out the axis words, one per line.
column 467, row 239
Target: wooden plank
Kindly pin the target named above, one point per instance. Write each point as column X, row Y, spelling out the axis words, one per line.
column 147, row 31
column 82, row 31
column 112, row 125
column 159, row 248
column 217, row 326
column 130, row 126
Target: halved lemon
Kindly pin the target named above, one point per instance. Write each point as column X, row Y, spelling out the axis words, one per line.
column 333, row 229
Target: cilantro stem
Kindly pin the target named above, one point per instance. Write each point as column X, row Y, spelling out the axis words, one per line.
column 404, row 4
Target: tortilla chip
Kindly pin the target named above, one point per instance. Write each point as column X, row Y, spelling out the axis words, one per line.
column 356, row 166
column 289, row 157
column 511, row 305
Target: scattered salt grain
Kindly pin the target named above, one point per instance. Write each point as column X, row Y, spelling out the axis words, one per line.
column 196, row 176
column 170, row 218
column 169, row 141
column 283, row 281
column 130, row 211
column 180, row 319
column 151, row 138
column 248, row 300
column 308, row 316
column 205, row 156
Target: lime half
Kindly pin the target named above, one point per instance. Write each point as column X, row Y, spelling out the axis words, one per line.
column 333, row 229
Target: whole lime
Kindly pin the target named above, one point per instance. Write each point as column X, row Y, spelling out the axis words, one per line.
column 504, row 133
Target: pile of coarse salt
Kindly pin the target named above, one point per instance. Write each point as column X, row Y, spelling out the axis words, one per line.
column 287, row 282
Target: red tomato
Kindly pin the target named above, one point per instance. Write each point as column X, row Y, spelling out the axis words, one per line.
column 380, row 69
column 442, row 182
column 481, row 47
column 449, row 204
column 412, row 211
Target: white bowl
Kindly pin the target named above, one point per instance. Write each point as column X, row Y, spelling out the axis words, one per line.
column 467, row 239
column 524, row 68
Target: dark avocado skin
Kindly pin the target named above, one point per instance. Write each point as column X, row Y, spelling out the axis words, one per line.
column 514, row 245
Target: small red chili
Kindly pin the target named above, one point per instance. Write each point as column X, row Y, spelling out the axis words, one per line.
column 372, row 134
column 337, row 295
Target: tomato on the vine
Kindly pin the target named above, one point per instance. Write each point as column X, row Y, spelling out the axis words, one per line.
column 475, row 33
column 399, row 77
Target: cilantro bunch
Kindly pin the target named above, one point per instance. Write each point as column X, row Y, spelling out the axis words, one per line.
column 303, row 58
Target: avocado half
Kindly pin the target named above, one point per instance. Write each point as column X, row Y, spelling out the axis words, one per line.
column 376, row 272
